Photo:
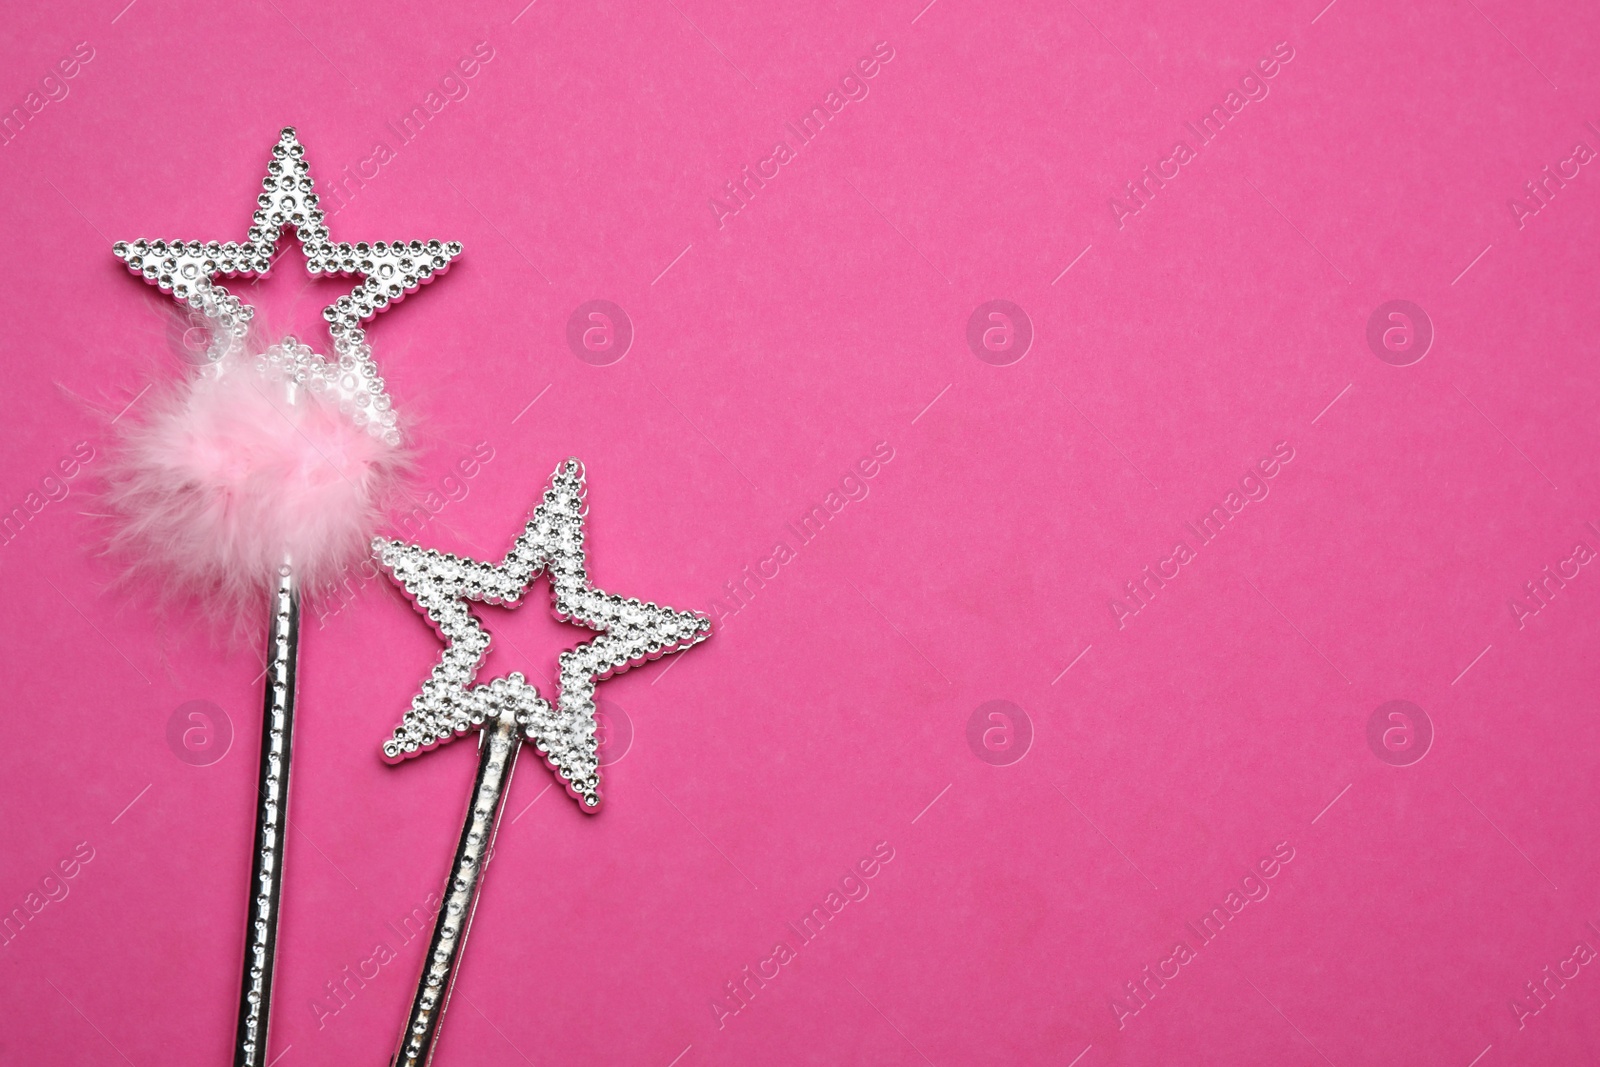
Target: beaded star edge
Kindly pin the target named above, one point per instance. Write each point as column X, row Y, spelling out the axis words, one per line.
column 630, row 632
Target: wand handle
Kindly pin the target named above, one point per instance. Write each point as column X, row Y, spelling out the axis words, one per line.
column 272, row 819
column 498, row 743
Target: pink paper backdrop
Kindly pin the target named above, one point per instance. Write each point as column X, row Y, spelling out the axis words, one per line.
column 1164, row 747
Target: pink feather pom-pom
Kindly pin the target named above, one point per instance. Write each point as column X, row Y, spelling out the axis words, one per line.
column 227, row 477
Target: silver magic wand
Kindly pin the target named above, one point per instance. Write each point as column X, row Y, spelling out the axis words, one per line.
column 508, row 710
column 263, row 472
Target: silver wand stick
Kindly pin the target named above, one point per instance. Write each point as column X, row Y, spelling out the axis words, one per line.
column 272, row 819
column 497, row 757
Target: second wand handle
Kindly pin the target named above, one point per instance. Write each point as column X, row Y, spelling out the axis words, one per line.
column 497, row 755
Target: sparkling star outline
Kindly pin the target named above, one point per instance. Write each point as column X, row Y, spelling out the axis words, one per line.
column 630, row 632
column 389, row 270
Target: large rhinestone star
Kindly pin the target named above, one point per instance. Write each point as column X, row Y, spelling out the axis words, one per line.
column 389, row 270
column 630, row 632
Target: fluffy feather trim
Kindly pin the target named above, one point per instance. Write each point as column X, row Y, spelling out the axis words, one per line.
column 233, row 471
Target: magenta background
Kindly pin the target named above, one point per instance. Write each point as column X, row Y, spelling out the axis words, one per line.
column 827, row 714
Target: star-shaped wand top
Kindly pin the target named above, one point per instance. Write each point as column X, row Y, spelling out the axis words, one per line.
column 630, row 632
column 389, row 269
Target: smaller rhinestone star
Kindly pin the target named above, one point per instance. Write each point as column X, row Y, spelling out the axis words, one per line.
column 630, row 632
